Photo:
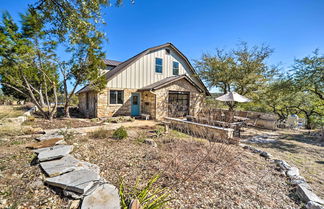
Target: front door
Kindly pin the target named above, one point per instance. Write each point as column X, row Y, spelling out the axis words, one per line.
column 135, row 101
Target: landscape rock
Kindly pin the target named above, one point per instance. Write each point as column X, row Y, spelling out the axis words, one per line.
column 50, row 136
column 306, row 195
column 64, row 165
column 150, row 142
column 314, row 205
column 46, row 143
column 266, row 155
column 104, row 197
column 293, row 172
column 282, row 164
column 55, row 152
column 79, row 181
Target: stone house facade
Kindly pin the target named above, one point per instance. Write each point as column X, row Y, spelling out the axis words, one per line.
column 159, row 82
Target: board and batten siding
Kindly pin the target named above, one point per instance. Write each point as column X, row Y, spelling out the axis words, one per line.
column 142, row 72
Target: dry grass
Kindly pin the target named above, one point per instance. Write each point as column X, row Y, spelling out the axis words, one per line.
column 199, row 174
column 7, row 111
column 298, row 149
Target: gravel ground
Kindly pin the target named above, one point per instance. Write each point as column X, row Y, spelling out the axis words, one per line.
column 198, row 174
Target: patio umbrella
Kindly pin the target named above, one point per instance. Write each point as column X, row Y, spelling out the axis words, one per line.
column 233, row 97
column 230, row 98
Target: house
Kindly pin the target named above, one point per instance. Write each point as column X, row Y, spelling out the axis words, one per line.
column 159, row 81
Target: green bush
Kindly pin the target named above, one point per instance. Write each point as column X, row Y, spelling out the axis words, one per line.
column 120, row 133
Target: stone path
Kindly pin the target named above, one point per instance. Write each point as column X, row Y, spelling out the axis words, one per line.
column 303, row 189
column 78, row 179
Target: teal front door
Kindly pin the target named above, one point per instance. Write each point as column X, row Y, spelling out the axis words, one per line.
column 135, row 100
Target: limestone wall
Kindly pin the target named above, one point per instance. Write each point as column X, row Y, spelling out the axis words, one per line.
column 105, row 109
column 91, row 111
column 162, row 95
column 148, row 104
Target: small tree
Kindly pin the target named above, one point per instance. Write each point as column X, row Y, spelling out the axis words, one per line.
column 242, row 70
column 26, row 61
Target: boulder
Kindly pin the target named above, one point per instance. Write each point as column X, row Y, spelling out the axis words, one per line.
column 55, row 152
column 306, row 195
column 314, row 205
column 104, row 197
column 50, row 136
column 65, row 165
column 150, row 142
column 79, row 181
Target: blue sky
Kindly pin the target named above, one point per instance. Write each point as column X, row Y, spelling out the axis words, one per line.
column 294, row 28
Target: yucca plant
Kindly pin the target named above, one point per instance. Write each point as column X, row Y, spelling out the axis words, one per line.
column 149, row 197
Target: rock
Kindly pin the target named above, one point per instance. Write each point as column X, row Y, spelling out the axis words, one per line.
column 79, row 181
column 104, row 197
column 293, row 172
column 314, row 205
column 64, row 165
column 306, row 195
column 44, row 144
column 55, row 152
column 74, row 204
column 49, row 136
column 150, row 142
column 282, row 164
column 265, row 155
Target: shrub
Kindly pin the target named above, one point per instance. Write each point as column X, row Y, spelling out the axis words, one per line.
column 120, row 133
column 100, row 134
column 160, row 130
column 149, row 197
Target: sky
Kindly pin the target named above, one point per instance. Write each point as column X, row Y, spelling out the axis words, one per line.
column 293, row 28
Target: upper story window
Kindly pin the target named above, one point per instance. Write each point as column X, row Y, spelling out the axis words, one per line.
column 116, row 97
column 158, row 65
column 175, row 68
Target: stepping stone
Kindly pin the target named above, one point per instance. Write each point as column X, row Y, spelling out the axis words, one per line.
column 48, row 137
column 79, row 181
column 55, row 152
column 104, row 197
column 306, row 195
column 65, row 165
column 43, row 144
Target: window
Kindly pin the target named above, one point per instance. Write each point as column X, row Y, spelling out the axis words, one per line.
column 158, row 65
column 175, row 68
column 116, row 97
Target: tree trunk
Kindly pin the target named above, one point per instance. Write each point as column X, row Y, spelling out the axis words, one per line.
column 308, row 122
column 41, row 98
column 67, row 110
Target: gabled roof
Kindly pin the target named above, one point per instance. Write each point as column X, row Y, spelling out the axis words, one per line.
column 120, row 67
column 112, row 62
column 166, row 81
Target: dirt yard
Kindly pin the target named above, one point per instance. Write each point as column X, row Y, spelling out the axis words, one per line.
column 299, row 149
column 197, row 173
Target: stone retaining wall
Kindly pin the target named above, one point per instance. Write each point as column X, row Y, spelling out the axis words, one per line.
column 212, row 133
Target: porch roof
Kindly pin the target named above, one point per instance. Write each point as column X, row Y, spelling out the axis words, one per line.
column 166, row 81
